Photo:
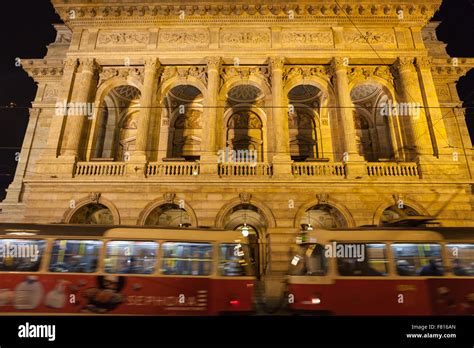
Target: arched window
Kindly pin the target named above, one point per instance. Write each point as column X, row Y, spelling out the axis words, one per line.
column 323, row 216
column 245, row 133
column 116, row 126
column 168, row 215
column 184, row 104
column 92, row 214
column 375, row 127
column 303, row 122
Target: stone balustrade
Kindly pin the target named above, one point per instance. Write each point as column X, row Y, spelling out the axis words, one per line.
column 307, row 169
column 392, row 170
column 227, row 170
column 173, row 169
column 245, row 169
column 84, row 169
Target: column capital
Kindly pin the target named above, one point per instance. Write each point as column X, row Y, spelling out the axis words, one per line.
column 276, row 63
column 214, row 63
column 152, row 63
column 339, row 64
column 404, row 64
column 88, row 65
column 70, row 64
column 424, row 63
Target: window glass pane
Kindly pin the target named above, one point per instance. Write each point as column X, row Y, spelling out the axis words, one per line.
column 234, row 260
column 461, row 259
column 21, row 255
column 128, row 257
column 361, row 259
column 310, row 261
column 75, row 256
column 418, row 259
column 193, row 259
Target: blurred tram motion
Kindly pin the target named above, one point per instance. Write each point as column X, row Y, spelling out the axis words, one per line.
column 120, row 270
column 383, row 271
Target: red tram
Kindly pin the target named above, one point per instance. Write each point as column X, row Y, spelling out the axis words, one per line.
column 91, row 270
column 383, row 272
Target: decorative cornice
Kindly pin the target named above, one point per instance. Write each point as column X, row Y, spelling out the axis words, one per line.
column 43, row 69
column 80, row 10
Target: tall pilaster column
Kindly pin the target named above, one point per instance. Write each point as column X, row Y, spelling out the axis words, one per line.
column 279, row 111
column 430, row 98
column 344, row 103
column 146, row 109
column 209, row 156
column 213, row 81
column 354, row 163
column 281, row 158
column 83, row 91
column 410, row 92
column 15, row 188
column 65, row 95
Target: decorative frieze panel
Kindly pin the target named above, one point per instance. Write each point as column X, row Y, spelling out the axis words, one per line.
column 383, row 38
column 122, row 38
column 111, row 72
column 184, row 72
column 184, row 38
column 305, row 72
column 307, row 38
column 244, row 39
column 244, row 73
column 366, row 72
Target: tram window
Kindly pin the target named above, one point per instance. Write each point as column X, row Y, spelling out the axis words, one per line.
column 310, row 261
column 461, row 259
column 21, row 255
column 234, row 260
column 367, row 260
column 75, row 256
column 127, row 257
column 418, row 259
column 193, row 259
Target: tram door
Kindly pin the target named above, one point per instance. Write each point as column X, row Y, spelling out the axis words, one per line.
column 255, row 250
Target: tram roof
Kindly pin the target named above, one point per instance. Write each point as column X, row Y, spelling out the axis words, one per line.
column 393, row 234
column 117, row 231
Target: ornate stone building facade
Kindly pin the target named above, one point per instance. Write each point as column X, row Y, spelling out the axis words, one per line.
column 350, row 109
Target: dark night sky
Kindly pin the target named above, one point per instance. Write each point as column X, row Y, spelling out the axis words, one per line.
column 26, row 30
